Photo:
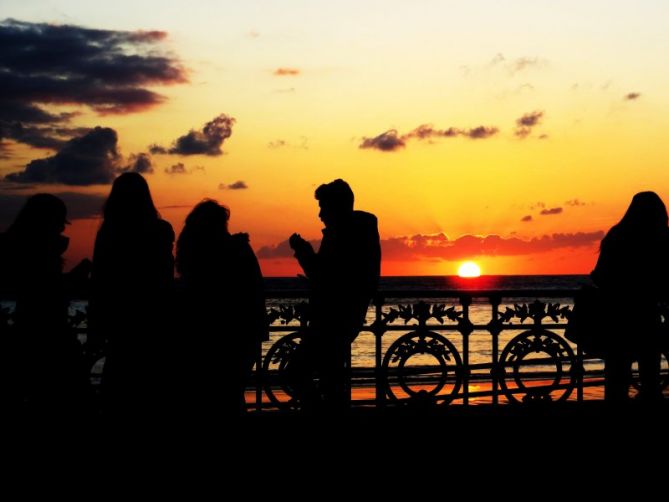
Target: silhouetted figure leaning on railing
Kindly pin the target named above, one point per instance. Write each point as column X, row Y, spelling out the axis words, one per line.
column 633, row 270
column 42, row 362
column 343, row 277
column 133, row 270
column 222, row 308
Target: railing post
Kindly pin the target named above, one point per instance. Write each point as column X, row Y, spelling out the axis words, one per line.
column 495, row 329
column 466, row 330
column 378, row 352
column 259, row 379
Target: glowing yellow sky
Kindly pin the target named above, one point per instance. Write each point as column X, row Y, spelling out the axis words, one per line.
column 367, row 67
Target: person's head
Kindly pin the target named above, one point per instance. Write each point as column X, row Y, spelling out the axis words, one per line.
column 645, row 212
column 335, row 200
column 130, row 200
column 208, row 216
column 42, row 213
column 205, row 224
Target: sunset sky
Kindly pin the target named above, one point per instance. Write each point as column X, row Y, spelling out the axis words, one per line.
column 509, row 133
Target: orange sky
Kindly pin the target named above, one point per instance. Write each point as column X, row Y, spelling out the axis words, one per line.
column 531, row 109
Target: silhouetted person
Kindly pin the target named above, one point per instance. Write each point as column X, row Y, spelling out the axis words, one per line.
column 343, row 277
column 225, row 319
column 45, row 371
column 133, row 270
column 633, row 273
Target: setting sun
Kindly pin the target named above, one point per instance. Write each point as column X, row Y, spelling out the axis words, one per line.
column 469, row 269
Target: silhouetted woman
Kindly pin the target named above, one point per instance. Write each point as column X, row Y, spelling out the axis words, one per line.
column 225, row 311
column 632, row 271
column 47, row 372
column 133, row 270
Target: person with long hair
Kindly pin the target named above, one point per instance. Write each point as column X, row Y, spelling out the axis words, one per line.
column 224, row 311
column 633, row 270
column 133, row 270
column 45, row 369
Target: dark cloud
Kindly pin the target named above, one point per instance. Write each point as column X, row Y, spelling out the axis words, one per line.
column 237, row 185
column 177, row 168
column 79, row 205
column 526, row 218
column 140, row 163
column 64, row 64
column 481, row 132
column 208, row 141
column 574, row 203
column 551, row 211
column 631, row 96
column 391, row 141
column 86, row 160
column 108, row 71
column 525, row 123
column 286, row 72
column 440, row 247
column 388, row 141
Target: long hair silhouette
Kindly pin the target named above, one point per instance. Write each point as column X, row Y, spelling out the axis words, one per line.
column 130, row 201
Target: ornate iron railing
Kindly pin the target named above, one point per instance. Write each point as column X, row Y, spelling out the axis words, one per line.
column 442, row 347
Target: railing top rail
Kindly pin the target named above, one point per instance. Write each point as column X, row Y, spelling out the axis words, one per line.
column 446, row 293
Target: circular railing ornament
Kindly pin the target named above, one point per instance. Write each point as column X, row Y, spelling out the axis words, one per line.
column 551, row 363
column 422, row 383
column 276, row 370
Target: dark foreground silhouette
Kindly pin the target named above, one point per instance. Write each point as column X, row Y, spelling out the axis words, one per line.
column 343, row 276
column 222, row 311
column 41, row 360
column 634, row 264
column 133, row 270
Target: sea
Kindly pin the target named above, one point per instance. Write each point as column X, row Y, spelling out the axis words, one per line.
column 409, row 288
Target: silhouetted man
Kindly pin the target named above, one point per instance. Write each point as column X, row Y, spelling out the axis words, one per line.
column 343, row 278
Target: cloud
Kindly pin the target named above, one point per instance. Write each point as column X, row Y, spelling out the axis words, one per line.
column 140, row 163
column 526, row 219
column 391, row 140
column 237, row 185
column 79, row 205
column 282, row 143
column 286, row 72
column 551, row 211
column 208, row 141
column 525, row 63
column 107, row 71
column 440, row 247
column 525, row 123
column 177, row 168
column 631, row 96
column 388, row 141
column 575, row 203
column 86, row 160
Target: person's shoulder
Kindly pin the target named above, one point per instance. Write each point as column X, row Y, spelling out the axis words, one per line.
column 165, row 229
column 364, row 218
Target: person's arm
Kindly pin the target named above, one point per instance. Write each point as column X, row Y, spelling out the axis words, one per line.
column 305, row 254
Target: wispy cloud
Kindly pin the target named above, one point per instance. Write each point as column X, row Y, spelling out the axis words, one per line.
column 551, row 211
column 237, row 185
column 631, row 96
column 286, row 72
column 527, row 122
column 391, row 140
column 526, row 219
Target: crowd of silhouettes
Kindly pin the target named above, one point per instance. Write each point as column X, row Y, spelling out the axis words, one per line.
column 187, row 348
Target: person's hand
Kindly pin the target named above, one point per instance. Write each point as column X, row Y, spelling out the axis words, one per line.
column 298, row 244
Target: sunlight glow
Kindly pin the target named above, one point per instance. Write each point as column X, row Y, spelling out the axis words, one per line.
column 469, row 269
